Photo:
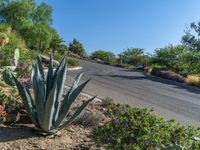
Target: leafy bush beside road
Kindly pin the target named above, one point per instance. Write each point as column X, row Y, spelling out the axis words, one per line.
column 139, row 129
column 178, row 59
column 134, row 56
column 104, row 56
column 166, row 74
column 72, row 63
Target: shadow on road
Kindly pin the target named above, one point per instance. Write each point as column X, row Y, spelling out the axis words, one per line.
column 145, row 76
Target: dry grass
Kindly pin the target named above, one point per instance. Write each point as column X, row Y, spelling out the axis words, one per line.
column 193, row 80
column 90, row 119
column 106, row 101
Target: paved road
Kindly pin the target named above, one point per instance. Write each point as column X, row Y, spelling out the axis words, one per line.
column 168, row 99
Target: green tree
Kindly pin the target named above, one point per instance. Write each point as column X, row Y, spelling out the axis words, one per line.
column 105, row 56
column 32, row 22
column 42, row 14
column 133, row 56
column 56, row 43
column 192, row 37
column 77, row 48
column 17, row 13
column 168, row 57
column 178, row 59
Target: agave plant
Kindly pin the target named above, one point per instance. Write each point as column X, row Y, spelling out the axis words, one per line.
column 48, row 110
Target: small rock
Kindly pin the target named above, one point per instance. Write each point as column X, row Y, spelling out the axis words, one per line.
column 66, row 140
column 86, row 140
column 70, row 129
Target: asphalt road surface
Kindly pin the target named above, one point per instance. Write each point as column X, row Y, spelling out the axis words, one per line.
column 168, row 99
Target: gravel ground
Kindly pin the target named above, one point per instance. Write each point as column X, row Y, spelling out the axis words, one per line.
column 76, row 136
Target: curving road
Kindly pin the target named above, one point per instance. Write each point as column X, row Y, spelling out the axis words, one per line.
column 168, row 99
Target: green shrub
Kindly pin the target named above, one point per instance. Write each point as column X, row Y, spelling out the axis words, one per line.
column 77, row 48
column 7, row 77
column 3, row 36
column 16, row 41
column 48, row 110
column 3, row 39
column 4, row 28
column 10, row 100
column 7, row 56
column 104, row 56
column 138, row 129
column 72, row 63
column 57, row 56
column 8, row 49
column 179, row 59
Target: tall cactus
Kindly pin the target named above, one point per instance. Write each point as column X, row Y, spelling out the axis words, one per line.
column 16, row 56
column 7, row 73
column 47, row 110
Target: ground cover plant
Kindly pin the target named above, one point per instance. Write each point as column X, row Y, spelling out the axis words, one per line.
column 70, row 62
column 139, row 129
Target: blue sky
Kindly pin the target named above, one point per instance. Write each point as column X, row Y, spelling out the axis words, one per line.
column 115, row 25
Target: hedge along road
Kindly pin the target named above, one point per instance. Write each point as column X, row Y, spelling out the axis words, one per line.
column 168, row 99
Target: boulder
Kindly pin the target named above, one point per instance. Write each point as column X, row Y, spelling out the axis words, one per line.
column 46, row 59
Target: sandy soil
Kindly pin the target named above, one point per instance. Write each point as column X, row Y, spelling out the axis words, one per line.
column 76, row 136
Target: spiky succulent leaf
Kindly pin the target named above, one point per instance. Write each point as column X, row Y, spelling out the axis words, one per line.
column 48, row 112
column 77, row 113
column 67, row 102
column 74, row 85
column 39, row 89
column 27, row 101
column 77, row 80
column 49, row 80
column 49, row 109
column 41, row 70
column 60, row 81
column 60, row 66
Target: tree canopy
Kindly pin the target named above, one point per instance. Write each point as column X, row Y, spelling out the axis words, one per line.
column 76, row 47
column 33, row 22
column 102, row 55
column 192, row 37
column 134, row 56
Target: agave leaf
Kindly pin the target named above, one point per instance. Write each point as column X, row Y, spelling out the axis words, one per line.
column 77, row 80
column 33, row 72
column 62, row 63
column 39, row 64
column 74, row 85
column 38, row 83
column 67, row 102
column 49, row 80
column 60, row 81
column 27, row 101
column 77, row 113
column 49, row 109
